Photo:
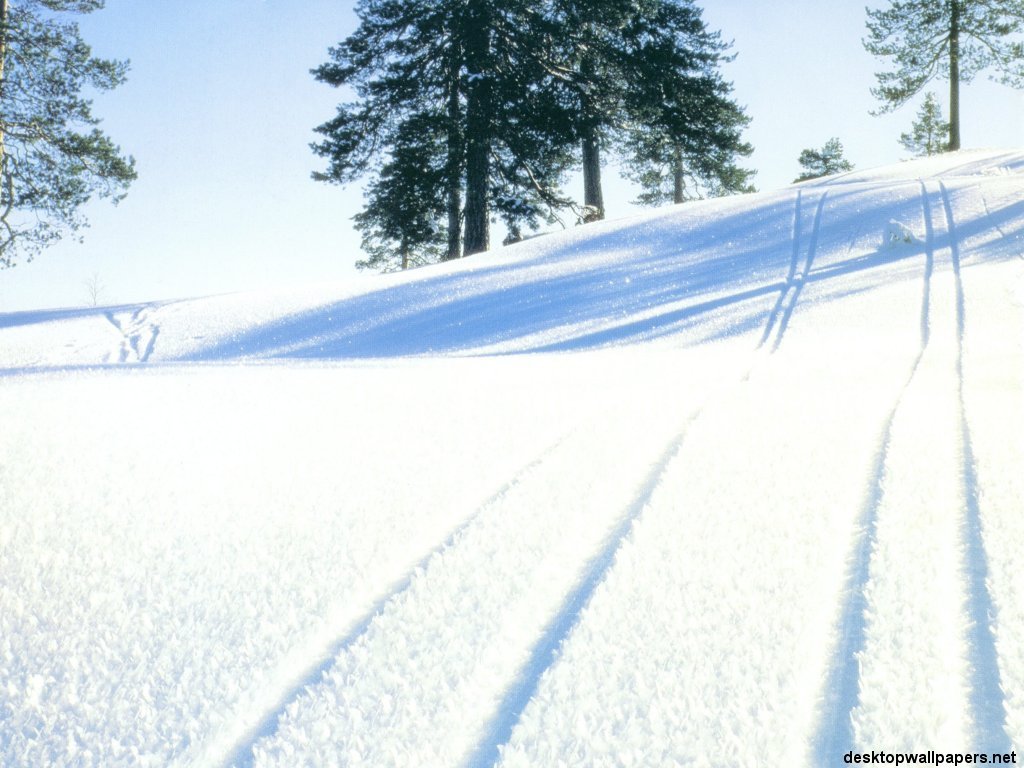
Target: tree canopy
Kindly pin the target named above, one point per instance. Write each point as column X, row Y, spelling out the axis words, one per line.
column 53, row 158
column 950, row 40
column 480, row 108
column 823, row 162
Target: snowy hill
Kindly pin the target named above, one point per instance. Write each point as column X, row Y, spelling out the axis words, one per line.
column 734, row 483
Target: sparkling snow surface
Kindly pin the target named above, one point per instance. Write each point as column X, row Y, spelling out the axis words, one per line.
column 731, row 484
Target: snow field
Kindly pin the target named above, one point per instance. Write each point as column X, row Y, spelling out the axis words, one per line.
column 171, row 540
column 709, row 640
column 758, row 503
column 437, row 695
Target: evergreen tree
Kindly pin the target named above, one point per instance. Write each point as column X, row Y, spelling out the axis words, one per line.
column 646, row 78
column 400, row 224
column 52, row 157
column 944, row 39
column 684, row 135
column 480, row 69
column 823, row 162
column 929, row 134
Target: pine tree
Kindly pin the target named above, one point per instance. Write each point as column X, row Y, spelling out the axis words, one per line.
column 929, row 134
column 645, row 78
column 823, row 162
column 52, row 157
column 400, row 224
column 480, row 68
column 944, row 39
column 684, row 136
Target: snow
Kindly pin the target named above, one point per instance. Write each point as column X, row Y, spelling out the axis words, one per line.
column 733, row 483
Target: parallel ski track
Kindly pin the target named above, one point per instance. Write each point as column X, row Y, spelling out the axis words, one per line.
column 800, row 278
column 774, row 314
column 795, row 280
column 833, row 734
column 544, row 654
column 265, row 722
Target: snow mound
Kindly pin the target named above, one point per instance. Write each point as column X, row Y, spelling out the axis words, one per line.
column 684, row 275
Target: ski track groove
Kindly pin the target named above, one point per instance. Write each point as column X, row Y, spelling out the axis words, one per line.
column 784, row 290
column 545, row 652
column 240, row 754
column 929, row 264
column 801, row 278
column 985, row 685
column 833, row 733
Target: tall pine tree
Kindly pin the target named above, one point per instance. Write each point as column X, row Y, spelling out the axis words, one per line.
column 53, row 159
column 481, row 69
column 644, row 77
column 683, row 134
column 944, row 39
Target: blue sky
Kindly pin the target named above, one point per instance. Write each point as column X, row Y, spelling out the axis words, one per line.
column 219, row 110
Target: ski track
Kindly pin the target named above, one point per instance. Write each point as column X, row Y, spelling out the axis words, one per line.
column 833, row 734
column 522, row 679
column 929, row 267
column 264, row 723
column 545, row 652
column 785, row 287
column 789, row 292
column 987, row 700
column 986, row 713
column 800, row 278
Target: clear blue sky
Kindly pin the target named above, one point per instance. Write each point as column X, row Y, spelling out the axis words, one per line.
column 219, row 111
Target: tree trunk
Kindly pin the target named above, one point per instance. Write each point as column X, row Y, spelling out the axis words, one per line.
column 477, row 235
column 592, row 196
column 453, row 164
column 954, row 75
column 678, row 179
column 478, row 131
column 3, row 59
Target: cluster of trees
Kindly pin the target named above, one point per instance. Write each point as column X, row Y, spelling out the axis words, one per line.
column 468, row 109
column 461, row 111
column 929, row 40
column 928, row 135
column 52, row 157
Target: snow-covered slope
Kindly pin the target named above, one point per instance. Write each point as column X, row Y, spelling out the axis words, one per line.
column 730, row 484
